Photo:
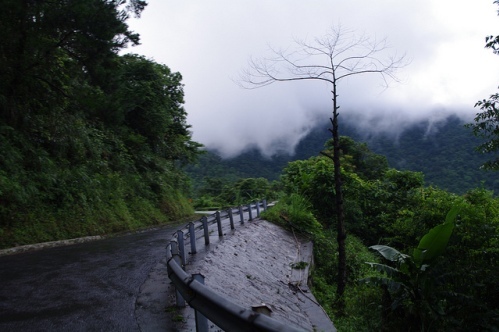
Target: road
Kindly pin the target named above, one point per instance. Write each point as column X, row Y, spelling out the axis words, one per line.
column 84, row 287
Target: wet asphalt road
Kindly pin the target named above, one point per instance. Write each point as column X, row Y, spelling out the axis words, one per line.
column 84, row 287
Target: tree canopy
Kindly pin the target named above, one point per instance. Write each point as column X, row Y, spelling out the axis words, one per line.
column 91, row 141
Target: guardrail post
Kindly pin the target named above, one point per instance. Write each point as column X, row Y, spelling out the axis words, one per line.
column 168, row 252
column 264, row 205
column 174, row 248
column 181, row 246
column 179, row 300
column 192, row 237
column 241, row 214
column 231, row 218
column 249, row 211
column 201, row 320
column 257, row 209
column 205, row 228
column 219, row 223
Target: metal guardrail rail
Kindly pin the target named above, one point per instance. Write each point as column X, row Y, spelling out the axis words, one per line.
column 208, row 304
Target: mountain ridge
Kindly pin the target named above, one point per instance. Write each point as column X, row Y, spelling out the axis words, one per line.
column 442, row 150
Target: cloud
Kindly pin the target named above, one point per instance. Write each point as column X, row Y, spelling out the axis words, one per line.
column 211, row 42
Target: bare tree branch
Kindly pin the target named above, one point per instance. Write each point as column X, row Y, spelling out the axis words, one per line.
column 337, row 55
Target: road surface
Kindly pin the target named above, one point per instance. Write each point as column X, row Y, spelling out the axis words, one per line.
column 121, row 283
column 84, row 287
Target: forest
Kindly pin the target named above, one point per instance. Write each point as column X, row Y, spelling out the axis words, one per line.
column 388, row 213
column 92, row 142
column 95, row 141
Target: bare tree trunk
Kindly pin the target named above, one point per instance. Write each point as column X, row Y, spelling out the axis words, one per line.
column 340, row 215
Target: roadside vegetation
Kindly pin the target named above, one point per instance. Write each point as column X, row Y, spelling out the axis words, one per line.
column 419, row 258
column 91, row 142
column 392, row 211
column 219, row 193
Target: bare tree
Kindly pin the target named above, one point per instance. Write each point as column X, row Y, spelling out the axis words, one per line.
column 337, row 55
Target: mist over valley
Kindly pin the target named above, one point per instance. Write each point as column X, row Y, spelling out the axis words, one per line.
column 442, row 148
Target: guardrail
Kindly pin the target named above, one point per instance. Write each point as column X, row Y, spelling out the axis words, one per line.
column 208, row 304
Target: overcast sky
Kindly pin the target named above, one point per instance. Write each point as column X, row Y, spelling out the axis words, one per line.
column 210, row 43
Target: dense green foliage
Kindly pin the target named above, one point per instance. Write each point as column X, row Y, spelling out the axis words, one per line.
column 410, row 289
column 91, row 142
column 294, row 211
column 434, row 289
column 217, row 193
column 250, row 164
column 443, row 151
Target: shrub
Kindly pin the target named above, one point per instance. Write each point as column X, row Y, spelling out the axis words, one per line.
column 296, row 212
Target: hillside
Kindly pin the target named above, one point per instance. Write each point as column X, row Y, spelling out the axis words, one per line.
column 91, row 142
column 445, row 154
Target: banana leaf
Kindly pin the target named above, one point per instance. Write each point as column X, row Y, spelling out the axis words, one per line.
column 435, row 241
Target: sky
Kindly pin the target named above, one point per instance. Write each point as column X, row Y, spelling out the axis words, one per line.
column 211, row 42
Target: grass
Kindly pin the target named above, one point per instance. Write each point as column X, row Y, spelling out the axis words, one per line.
column 116, row 216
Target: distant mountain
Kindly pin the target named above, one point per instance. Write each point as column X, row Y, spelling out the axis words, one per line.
column 443, row 151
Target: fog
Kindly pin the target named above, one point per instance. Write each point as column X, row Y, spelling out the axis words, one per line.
column 210, row 43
